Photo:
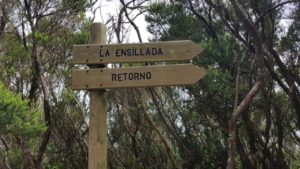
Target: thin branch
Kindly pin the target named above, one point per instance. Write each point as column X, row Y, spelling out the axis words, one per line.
column 5, row 144
column 160, row 110
column 274, row 8
column 153, row 126
column 233, row 120
column 232, row 29
column 131, row 21
column 242, row 15
column 209, row 28
column 36, row 55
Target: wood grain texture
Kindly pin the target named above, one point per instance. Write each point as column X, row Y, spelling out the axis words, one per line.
column 136, row 52
column 181, row 74
column 97, row 155
column 97, row 138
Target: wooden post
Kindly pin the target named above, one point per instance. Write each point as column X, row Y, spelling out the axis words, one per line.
column 97, row 140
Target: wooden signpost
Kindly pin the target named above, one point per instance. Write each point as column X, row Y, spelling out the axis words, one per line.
column 97, row 138
column 135, row 52
column 98, row 78
column 105, row 78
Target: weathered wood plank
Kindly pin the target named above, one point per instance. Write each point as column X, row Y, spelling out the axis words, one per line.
column 135, row 52
column 103, row 78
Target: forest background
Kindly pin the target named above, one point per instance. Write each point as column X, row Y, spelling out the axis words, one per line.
column 244, row 114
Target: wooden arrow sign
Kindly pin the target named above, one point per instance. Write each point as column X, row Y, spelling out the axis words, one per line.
column 182, row 74
column 135, row 52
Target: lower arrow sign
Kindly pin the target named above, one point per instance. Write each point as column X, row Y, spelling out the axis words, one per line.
column 182, row 74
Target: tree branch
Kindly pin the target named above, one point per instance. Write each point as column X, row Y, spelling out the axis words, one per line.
column 233, row 120
column 232, row 29
column 36, row 53
column 131, row 21
column 209, row 28
column 161, row 111
column 163, row 139
column 274, row 8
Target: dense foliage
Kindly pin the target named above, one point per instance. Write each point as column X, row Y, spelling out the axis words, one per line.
column 245, row 113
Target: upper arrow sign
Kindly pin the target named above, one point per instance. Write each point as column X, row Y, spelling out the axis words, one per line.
column 135, row 52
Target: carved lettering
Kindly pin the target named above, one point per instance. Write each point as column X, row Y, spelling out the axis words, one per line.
column 118, row 52
column 138, row 52
column 119, row 77
column 136, row 76
column 104, row 53
column 148, row 75
column 113, row 77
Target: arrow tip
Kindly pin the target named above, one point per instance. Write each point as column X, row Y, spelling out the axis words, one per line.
column 200, row 73
column 196, row 47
